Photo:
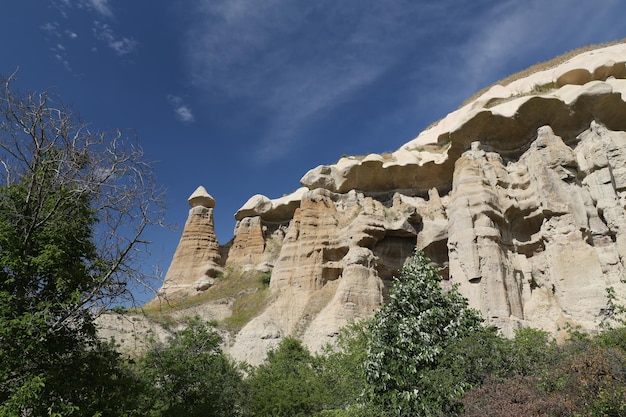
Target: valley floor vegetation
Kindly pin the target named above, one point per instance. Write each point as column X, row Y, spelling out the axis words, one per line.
column 73, row 208
column 424, row 353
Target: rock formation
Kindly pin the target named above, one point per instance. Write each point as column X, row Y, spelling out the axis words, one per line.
column 197, row 260
column 519, row 197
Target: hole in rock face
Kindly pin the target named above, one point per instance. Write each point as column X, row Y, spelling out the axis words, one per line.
column 392, row 252
column 533, row 284
column 330, row 274
column 438, row 253
column 334, row 254
column 332, row 265
column 523, row 228
column 475, row 280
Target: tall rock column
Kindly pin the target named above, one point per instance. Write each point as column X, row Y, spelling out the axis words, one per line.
column 478, row 261
column 196, row 262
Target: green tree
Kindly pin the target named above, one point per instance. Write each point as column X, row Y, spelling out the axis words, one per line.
column 342, row 370
column 287, row 384
column 73, row 207
column 191, row 376
column 584, row 376
column 408, row 338
column 342, row 367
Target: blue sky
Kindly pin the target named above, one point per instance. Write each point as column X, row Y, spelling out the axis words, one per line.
column 245, row 96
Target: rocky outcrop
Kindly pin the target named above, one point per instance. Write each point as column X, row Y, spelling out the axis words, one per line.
column 519, row 197
column 527, row 241
column 197, row 260
column 331, row 267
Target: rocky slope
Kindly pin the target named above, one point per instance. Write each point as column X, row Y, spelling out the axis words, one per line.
column 519, row 196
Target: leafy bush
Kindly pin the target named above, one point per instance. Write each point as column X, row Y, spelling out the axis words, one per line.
column 583, row 377
column 287, row 384
column 408, row 339
column 518, row 396
column 191, row 376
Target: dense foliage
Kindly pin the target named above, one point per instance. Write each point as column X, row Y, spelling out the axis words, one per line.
column 190, row 376
column 408, row 337
column 288, row 384
column 583, row 377
column 73, row 207
column 45, row 268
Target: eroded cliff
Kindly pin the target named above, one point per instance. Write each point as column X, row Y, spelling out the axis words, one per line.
column 519, row 196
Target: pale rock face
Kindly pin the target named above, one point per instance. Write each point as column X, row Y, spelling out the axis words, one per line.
column 519, row 197
column 256, row 205
column 327, row 272
column 197, row 261
column 280, row 209
column 200, row 197
column 527, row 237
column 248, row 246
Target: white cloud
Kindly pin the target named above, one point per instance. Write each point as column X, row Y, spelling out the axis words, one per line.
column 58, row 50
column 181, row 110
column 513, row 35
column 184, row 114
column 51, row 28
column 73, row 10
column 61, row 59
column 102, row 7
column 298, row 62
column 121, row 45
column 292, row 63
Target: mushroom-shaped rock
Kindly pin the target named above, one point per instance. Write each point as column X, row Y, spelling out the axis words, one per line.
column 197, row 259
column 284, row 207
column 255, row 206
column 201, row 198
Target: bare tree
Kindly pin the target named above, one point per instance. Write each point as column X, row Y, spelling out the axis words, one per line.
column 47, row 145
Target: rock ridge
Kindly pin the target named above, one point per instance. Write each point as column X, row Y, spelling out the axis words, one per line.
column 519, row 197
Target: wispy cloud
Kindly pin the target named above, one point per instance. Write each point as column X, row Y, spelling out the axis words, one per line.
column 121, row 45
column 103, row 29
column 57, row 38
column 299, row 62
column 181, row 110
column 101, row 6
column 61, row 59
column 511, row 36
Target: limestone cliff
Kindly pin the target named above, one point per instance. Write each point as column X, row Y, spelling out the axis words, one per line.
column 519, row 196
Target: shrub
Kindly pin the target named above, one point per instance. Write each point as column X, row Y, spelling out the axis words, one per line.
column 408, row 338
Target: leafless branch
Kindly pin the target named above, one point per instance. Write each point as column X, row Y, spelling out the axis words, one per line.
column 37, row 133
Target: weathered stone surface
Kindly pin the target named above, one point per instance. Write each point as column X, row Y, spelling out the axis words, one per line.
column 327, row 271
column 197, row 259
column 249, row 244
column 280, row 209
column 131, row 332
column 518, row 196
column 528, row 237
column 200, row 197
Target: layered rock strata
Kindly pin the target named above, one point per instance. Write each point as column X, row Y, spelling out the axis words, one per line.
column 518, row 196
column 197, row 260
